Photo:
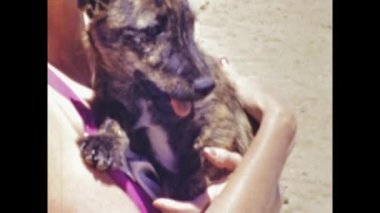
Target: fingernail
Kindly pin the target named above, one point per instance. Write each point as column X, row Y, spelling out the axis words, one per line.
column 210, row 151
column 157, row 204
column 224, row 60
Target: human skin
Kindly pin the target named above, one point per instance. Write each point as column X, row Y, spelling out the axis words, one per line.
column 252, row 187
column 65, row 49
column 72, row 186
column 267, row 155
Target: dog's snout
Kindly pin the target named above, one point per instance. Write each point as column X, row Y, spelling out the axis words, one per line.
column 204, row 85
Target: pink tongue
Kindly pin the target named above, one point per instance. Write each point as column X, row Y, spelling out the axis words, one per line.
column 181, row 108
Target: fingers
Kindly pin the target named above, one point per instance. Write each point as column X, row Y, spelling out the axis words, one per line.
column 222, row 158
column 249, row 90
column 216, row 188
column 172, row 206
column 199, row 204
column 219, row 157
column 224, row 61
column 229, row 71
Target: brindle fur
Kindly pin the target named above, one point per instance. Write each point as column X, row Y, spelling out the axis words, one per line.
column 145, row 50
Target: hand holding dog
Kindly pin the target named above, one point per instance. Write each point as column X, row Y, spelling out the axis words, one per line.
column 221, row 158
column 259, row 171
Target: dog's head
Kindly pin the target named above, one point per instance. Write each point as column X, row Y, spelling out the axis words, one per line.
column 151, row 40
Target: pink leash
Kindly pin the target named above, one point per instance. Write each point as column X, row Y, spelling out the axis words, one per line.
column 131, row 188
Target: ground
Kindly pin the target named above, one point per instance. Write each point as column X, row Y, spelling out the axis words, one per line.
column 287, row 44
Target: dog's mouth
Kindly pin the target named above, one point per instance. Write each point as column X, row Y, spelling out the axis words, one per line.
column 181, row 108
column 167, row 102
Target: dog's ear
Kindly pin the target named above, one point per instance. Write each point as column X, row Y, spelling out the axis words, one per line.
column 93, row 7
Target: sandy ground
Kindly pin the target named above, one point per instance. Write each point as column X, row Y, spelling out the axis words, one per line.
column 288, row 44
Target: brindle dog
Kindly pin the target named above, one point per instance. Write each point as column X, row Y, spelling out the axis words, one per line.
column 153, row 83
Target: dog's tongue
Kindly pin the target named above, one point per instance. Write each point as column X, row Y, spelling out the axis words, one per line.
column 181, row 108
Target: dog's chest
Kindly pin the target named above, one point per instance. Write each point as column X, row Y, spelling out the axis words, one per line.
column 158, row 138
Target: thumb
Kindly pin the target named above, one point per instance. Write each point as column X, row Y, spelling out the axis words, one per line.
column 222, row 158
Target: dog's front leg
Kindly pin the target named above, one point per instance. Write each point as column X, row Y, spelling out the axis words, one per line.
column 105, row 149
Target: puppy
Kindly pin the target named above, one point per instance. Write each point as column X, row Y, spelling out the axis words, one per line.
column 158, row 93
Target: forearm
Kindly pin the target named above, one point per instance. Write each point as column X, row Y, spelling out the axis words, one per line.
column 253, row 185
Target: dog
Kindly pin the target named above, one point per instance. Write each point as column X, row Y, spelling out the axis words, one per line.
column 158, row 93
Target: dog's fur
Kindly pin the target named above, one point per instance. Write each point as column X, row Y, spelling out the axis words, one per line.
column 144, row 56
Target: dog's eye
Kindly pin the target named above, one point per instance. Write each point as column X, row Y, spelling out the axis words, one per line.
column 153, row 30
column 158, row 28
column 128, row 36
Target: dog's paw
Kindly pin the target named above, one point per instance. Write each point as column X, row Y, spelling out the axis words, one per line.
column 100, row 151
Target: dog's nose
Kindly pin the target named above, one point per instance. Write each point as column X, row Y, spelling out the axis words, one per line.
column 204, row 85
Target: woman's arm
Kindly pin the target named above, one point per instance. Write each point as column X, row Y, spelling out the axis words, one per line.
column 253, row 187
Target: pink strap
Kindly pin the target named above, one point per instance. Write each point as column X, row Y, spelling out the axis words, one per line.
column 133, row 190
column 60, row 86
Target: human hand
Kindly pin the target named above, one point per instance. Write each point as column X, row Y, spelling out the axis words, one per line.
column 220, row 158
